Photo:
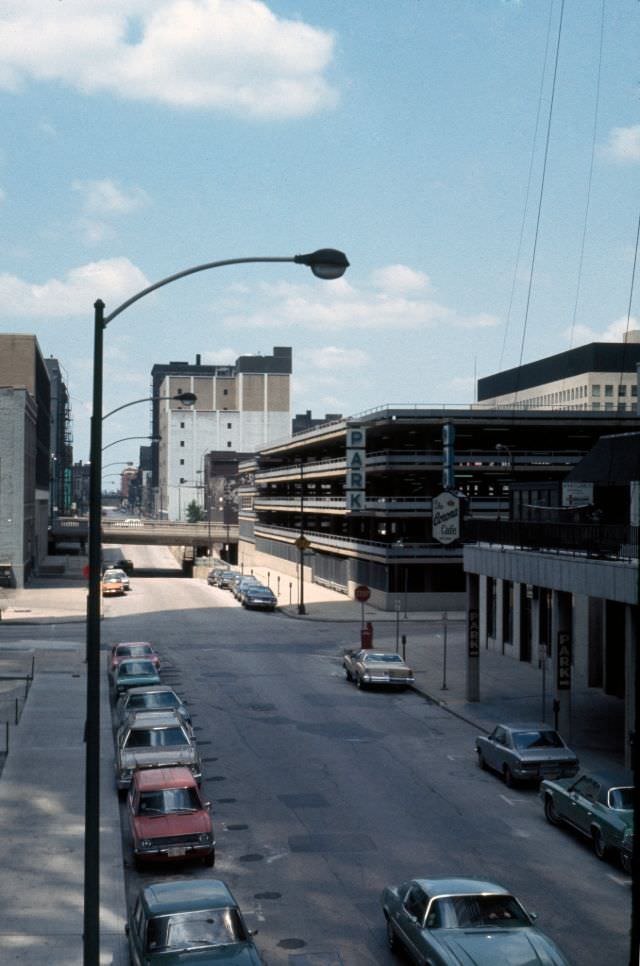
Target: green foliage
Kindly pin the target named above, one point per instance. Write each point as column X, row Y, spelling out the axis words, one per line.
column 194, row 513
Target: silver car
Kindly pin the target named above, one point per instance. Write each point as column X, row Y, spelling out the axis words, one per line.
column 160, row 697
column 526, row 753
column 154, row 740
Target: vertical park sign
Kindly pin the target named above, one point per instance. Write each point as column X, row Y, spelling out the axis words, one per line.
column 355, row 485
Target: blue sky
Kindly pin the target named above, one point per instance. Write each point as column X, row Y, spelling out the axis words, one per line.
column 141, row 137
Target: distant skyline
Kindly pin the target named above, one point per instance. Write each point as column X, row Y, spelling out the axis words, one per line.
column 141, row 137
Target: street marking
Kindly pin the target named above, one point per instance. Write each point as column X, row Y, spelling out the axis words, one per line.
column 619, row 880
column 451, row 757
column 278, row 855
column 511, row 801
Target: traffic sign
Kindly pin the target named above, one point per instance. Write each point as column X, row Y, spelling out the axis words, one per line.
column 362, row 593
column 302, row 543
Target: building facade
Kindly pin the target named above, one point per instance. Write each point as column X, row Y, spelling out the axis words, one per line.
column 364, row 514
column 22, row 368
column 61, row 482
column 239, row 408
column 599, row 377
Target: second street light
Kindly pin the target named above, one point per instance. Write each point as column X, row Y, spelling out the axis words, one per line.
column 325, row 263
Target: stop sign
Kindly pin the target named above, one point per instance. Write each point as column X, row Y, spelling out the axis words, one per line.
column 362, row 593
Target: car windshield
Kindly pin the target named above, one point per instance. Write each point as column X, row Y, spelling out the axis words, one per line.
column 383, row 658
column 537, row 739
column 481, row 911
column 156, row 737
column 132, row 668
column 259, row 592
column 185, row 930
column 164, row 801
column 621, row 798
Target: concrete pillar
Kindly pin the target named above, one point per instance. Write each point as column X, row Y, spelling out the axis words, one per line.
column 473, row 637
column 562, row 659
column 482, row 590
column 535, row 627
column 631, row 669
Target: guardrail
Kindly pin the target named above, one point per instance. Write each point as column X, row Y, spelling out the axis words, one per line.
column 12, row 702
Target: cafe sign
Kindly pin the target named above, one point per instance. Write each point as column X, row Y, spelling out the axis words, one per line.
column 445, row 521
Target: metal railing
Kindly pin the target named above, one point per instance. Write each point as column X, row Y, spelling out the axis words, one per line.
column 14, row 691
column 613, row 541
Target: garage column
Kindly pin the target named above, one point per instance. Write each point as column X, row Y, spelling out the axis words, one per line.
column 562, row 658
column 473, row 637
column 631, row 684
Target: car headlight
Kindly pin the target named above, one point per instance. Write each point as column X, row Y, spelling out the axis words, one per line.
column 145, row 843
column 204, row 838
column 366, row 676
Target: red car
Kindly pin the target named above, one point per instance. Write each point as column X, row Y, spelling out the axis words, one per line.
column 168, row 818
column 137, row 649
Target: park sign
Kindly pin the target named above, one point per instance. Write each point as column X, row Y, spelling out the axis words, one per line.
column 355, row 484
column 445, row 517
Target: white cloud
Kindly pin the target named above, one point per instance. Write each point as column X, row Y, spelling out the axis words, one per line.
column 112, row 280
column 340, row 306
column 401, row 278
column 614, row 332
column 231, row 55
column 333, row 357
column 623, row 144
column 106, row 197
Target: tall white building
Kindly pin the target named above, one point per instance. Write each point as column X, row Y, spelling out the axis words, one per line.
column 600, row 377
column 239, row 408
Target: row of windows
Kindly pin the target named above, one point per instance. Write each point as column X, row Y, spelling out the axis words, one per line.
column 581, row 392
column 620, row 407
column 182, row 425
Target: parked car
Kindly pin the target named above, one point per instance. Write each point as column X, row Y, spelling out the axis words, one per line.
column 213, row 575
column 159, row 697
column 257, row 597
column 225, row 579
column 239, row 583
column 112, row 586
column 598, row 806
column 168, row 818
column 154, row 740
column 367, row 667
column 120, row 574
column 521, row 752
column 450, row 921
column 135, row 673
column 189, row 921
column 128, row 649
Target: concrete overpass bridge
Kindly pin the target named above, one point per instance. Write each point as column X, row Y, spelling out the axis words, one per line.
column 143, row 531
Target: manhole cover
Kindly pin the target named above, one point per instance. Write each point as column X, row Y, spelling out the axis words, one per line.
column 292, row 944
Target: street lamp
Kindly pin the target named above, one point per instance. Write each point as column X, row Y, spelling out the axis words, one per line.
column 124, row 439
column 187, row 398
column 326, row 263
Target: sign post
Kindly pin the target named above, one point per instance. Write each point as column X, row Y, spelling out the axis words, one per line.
column 362, row 593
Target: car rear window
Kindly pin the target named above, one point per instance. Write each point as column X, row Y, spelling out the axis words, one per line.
column 156, row 738
column 537, row 739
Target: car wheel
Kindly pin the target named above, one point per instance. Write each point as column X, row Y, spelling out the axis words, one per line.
column 625, row 862
column 210, row 859
column 599, row 846
column 359, row 682
column 392, row 939
column 347, row 674
column 550, row 811
column 507, row 774
column 481, row 761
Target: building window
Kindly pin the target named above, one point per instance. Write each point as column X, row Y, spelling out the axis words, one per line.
column 229, row 444
column 595, row 390
column 634, row 390
column 595, row 407
column 181, row 425
column 182, row 442
column 228, row 425
column 608, row 390
column 225, row 392
column 622, row 390
column 608, row 406
column 182, row 479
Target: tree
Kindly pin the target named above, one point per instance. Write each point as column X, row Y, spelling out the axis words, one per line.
column 194, row 513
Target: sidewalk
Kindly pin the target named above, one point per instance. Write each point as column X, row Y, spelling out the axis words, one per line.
column 42, row 792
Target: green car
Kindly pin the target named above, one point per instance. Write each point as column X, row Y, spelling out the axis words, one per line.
column 599, row 806
column 135, row 673
column 456, row 921
column 189, row 921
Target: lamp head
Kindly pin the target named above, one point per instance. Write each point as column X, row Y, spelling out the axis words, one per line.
column 326, row 263
column 187, row 398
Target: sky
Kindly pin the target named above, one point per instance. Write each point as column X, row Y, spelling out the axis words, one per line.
column 477, row 160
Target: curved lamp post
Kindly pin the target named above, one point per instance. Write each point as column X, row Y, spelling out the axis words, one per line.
column 326, row 263
column 124, row 439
